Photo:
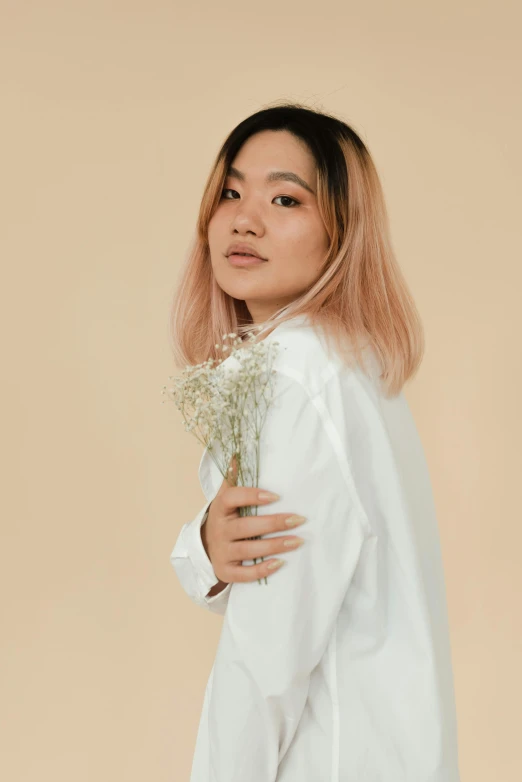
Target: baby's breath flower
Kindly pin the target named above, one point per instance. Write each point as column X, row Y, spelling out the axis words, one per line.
column 224, row 405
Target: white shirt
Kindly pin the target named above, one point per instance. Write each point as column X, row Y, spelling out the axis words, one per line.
column 339, row 668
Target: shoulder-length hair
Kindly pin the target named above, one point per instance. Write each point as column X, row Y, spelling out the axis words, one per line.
column 360, row 294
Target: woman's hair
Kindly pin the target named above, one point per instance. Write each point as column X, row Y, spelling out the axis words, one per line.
column 361, row 293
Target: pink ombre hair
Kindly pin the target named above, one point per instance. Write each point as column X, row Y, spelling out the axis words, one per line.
column 361, row 293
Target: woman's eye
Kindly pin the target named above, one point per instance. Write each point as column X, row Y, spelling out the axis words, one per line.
column 228, row 190
column 288, row 198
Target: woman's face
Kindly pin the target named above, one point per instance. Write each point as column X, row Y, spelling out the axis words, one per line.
column 278, row 218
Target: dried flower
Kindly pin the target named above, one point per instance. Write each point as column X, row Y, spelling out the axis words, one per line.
column 224, row 403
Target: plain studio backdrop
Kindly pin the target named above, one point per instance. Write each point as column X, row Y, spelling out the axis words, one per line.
column 111, row 116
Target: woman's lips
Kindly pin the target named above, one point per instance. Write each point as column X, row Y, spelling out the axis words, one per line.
column 244, row 260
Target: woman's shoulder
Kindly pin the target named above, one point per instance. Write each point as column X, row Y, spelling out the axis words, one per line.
column 301, row 356
column 305, row 354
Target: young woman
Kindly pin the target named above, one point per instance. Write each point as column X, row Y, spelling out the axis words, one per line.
column 338, row 667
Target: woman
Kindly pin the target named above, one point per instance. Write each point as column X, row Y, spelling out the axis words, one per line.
column 338, row 667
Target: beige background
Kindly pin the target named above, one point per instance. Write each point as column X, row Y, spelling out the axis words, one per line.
column 111, row 116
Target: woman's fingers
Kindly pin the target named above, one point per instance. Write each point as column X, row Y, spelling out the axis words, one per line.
column 248, row 527
column 246, row 573
column 264, row 547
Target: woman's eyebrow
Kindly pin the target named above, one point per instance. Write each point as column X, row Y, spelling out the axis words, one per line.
column 274, row 176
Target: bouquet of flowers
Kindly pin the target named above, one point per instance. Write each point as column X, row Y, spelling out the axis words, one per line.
column 225, row 402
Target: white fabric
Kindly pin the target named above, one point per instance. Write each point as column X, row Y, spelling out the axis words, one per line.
column 339, row 669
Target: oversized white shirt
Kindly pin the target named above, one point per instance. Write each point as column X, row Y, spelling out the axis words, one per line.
column 339, row 668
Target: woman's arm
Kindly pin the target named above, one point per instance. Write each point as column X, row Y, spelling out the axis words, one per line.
column 194, row 569
column 221, row 585
column 275, row 634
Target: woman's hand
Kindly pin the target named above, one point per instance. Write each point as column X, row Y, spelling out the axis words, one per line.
column 225, row 534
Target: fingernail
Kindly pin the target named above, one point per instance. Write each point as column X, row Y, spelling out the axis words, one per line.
column 294, row 542
column 293, row 521
column 274, row 563
column 268, row 495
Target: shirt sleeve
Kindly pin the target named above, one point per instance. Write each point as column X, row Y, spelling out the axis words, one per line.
column 193, row 567
column 274, row 634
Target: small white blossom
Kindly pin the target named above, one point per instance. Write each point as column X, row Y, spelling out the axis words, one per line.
column 224, row 404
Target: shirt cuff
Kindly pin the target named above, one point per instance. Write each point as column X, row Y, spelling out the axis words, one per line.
column 193, row 567
column 195, row 551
